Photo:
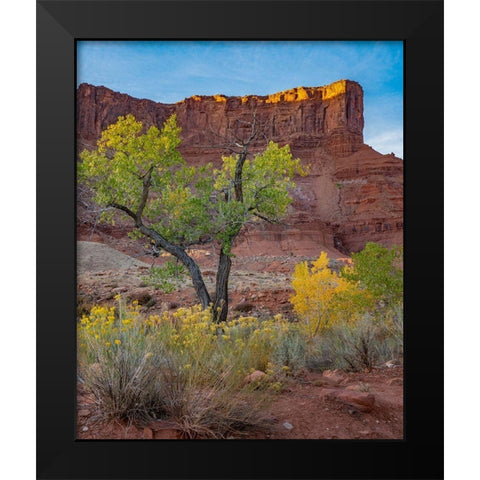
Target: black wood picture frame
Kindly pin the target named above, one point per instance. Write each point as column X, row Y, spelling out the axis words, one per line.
column 419, row 24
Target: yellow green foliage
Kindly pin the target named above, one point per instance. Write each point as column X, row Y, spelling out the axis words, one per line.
column 323, row 297
column 184, row 203
column 378, row 270
column 183, row 363
column 190, row 334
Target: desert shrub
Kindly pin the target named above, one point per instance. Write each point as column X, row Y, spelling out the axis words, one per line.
column 206, row 403
column 290, row 351
column 323, row 297
column 184, row 366
column 118, row 363
column 84, row 304
column 166, row 277
column 392, row 323
column 354, row 316
column 355, row 346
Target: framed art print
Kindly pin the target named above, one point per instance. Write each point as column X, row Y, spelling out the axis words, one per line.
column 235, row 204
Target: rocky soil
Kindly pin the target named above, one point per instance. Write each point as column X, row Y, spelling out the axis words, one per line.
column 332, row 405
column 313, row 405
column 257, row 282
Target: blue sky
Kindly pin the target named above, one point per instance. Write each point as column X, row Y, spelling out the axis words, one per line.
column 169, row 71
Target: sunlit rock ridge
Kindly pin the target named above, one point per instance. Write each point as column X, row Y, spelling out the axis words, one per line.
column 353, row 193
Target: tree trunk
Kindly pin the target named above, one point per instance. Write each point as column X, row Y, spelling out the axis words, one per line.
column 178, row 252
column 220, row 307
column 175, row 250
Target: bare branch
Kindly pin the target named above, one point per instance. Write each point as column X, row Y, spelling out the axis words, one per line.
column 125, row 209
column 201, row 241
column 269, row 220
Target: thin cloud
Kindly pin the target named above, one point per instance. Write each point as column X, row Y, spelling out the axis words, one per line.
column 389, row 141
column 168, row 72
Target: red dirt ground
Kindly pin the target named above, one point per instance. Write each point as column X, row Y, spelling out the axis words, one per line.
column 300, row 404
column 260, row 283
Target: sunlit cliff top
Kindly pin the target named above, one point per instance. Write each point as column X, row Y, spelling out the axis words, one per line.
column 292, row 95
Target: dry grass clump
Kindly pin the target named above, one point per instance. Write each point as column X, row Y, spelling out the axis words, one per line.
column 184, row 367
column 360, row 345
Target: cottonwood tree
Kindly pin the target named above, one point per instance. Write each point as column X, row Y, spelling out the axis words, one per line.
column 143, row 176
column 378, row 270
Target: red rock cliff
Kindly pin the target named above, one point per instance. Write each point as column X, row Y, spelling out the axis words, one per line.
column 353, row 193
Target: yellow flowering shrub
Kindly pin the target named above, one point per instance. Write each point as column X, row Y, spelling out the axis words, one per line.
column 182, row 364
column 111, row 327
column 116, row 361
column 240, row 345
column 323, row 297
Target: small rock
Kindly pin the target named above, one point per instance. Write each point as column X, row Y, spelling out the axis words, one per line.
column 335, row 375
column 84, row 429
column 354, row 388
column 325, row 382
column 165, row 430
column 288, row 425
column 328, row 394
column 255, row 376
column 363, row 402
column 274, row 266
column 395, row 381
column 244, row 307
column 141, row 295
column 392, row 363
column 148, row 433
column 119, row 290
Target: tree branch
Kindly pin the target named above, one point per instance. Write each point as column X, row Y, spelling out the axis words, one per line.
column 238, row 183
column 183, row 256
column 269, row 220
column 146, row 189
column 176, row 250
column 125, row 209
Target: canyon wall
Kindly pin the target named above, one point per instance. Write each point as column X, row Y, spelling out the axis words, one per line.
column 353, row 193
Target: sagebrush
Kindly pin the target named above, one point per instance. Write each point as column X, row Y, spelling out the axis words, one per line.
column 185, row 367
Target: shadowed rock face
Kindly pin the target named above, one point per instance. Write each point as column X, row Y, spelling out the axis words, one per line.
column 353, row 193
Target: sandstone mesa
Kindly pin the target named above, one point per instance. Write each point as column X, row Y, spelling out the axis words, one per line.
column 352, row 195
